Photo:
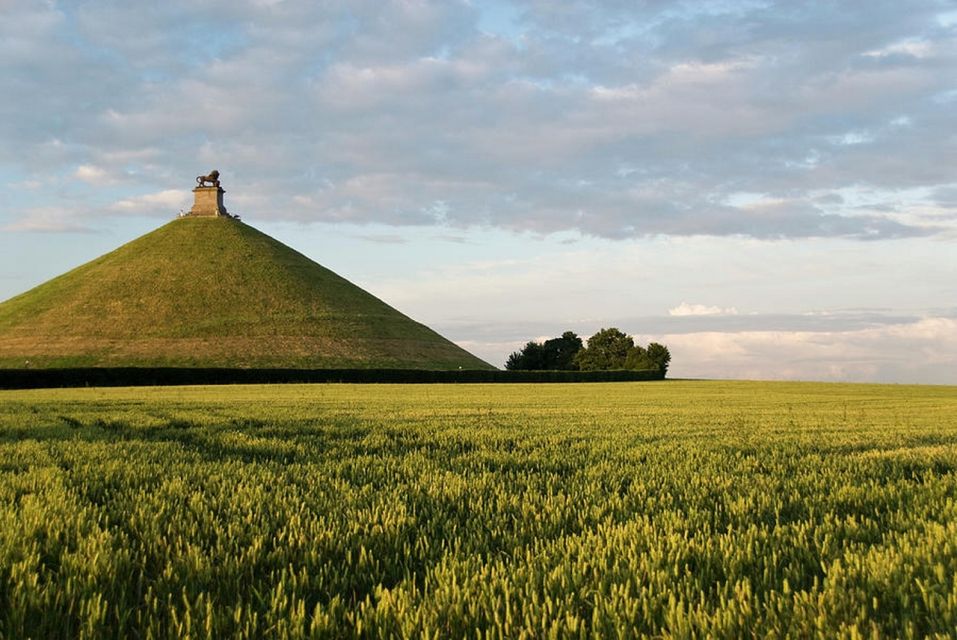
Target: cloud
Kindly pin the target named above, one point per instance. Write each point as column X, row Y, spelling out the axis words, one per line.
column 383, row 238
column 94, row 175
column 615, row 120
column 46, row 220
column 685, row 309
column 903, row 350
column 922, row 351
column 167, row 203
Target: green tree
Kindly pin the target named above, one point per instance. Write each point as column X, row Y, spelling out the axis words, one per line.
column 531, row 357
column 607, row 349
column 638, row 359
column 560, row 352
column 659, row 355
column 555, row 353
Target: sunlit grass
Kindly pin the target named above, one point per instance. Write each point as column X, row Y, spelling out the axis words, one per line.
column 213, row 292
column 587, row 510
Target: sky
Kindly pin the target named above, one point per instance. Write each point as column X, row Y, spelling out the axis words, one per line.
column 768, row 188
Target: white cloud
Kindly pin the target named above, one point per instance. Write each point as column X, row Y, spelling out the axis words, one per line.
column 372, row 112
column 923, row 351
column 94, row 175
column 167, row 202
column 46, row 220
column 911, row 47
column 685, row 309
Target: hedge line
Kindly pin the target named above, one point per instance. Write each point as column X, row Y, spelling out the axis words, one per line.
column 159, row 376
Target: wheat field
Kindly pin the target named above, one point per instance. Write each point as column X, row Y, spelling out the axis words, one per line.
column 665, row 509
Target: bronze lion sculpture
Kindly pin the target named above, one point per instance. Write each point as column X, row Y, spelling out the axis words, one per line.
column 212, row 179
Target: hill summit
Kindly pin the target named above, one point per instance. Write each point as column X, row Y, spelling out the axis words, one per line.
column 211, row 291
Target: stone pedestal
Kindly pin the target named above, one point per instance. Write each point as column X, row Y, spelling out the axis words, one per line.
column 208, row 201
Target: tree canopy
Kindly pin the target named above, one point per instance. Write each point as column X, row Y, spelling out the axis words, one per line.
column 660, row 357
column 655, row 356
column 608, row 349
column 556, row 353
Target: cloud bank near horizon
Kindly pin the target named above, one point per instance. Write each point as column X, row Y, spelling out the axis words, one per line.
column 848, row 347
column 617, row 120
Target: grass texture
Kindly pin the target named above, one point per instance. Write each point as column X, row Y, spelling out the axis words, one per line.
column 679, row 509
column 213, row 292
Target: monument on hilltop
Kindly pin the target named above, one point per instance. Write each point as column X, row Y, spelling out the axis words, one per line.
column 209, row 291
column 208, row 200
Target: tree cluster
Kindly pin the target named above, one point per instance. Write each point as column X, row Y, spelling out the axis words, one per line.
column 554, row 354
column 608, row 349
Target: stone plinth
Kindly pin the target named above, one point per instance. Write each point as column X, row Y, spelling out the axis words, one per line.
column 208, row 202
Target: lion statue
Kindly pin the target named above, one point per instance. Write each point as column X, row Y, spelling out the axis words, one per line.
column 212, row 179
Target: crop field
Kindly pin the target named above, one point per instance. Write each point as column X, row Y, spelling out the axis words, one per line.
column 662, row 509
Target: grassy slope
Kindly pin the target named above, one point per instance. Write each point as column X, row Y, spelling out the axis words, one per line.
column 676, row 509
column 213, row 292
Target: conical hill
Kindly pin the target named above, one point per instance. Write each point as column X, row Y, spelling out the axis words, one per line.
column 213, row 292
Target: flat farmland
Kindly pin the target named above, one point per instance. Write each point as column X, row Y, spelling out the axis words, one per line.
column 662, row 509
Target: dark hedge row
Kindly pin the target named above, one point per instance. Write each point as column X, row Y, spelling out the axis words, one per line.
column 136, row 376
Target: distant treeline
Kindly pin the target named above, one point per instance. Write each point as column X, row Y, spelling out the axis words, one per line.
column 159, row 376
column 609, row 349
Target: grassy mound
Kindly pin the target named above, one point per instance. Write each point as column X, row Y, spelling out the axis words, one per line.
column 213, row 292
